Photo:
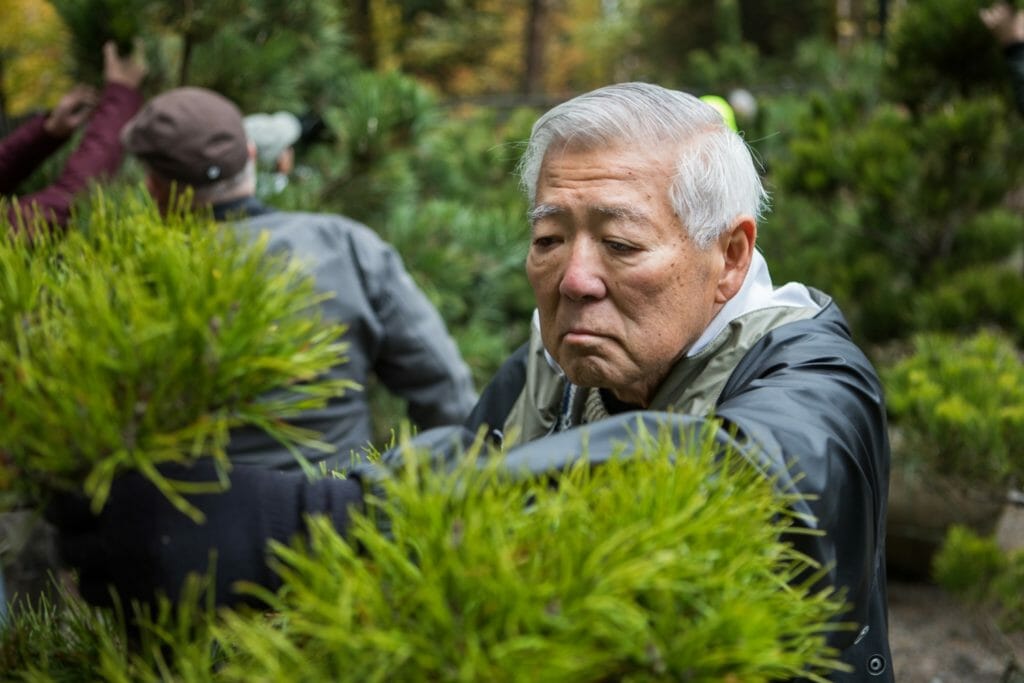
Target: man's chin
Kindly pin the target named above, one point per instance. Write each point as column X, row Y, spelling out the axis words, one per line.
column 588, row 371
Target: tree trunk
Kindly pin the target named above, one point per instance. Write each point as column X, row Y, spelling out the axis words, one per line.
column 186, row 56
column 537, row 18
column 360, row 19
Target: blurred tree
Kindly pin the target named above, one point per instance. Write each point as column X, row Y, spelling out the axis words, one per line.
column 262, row 53
column 537, row 21
column 32, row 57
column 470, row 48
column 91, row 23
column 776, row 28
column 940, row 50
column 908, row 195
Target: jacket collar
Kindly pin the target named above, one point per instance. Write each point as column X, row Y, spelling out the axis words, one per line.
column 756, row 293
column 244, row 207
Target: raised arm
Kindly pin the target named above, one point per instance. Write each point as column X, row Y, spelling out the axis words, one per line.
column 98, row 154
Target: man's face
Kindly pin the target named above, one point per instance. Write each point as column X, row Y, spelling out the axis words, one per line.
column 621, row 288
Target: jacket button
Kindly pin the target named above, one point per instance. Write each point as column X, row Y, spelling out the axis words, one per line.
column 876, row 665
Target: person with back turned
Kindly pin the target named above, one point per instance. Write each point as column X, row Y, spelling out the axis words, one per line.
column 192, row 140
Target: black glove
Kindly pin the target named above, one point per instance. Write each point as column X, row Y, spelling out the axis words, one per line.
column 142, row 546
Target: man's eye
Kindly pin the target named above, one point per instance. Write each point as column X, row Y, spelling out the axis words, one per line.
column 543, row 242
column 619, row 247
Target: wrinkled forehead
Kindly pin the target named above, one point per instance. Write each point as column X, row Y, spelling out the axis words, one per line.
column 615, row 163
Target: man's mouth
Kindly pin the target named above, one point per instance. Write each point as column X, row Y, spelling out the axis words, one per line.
column 581, row 335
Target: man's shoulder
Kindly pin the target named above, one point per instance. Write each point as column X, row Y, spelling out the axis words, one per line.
column 327, row 241
column 317, row 231
column 827, row 324
column 309, row 220
column 820, row 343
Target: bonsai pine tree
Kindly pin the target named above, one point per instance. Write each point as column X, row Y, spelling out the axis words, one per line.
column 145, row 340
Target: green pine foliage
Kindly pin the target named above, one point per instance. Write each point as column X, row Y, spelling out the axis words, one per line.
column 978, row 570
column 939, row 50
column 146, row 340
column 91, row 23
column 471, row 263
column 264, row 55
column 671, row 566
column 982, row 295
column 897, row 203
column 967, row 563
column 958, row 406
column 59, row 639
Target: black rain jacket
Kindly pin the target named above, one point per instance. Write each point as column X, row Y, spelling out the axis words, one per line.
column 808, row 405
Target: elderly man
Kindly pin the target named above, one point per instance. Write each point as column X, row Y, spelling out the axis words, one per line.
column 653, row 307
column 193, row 138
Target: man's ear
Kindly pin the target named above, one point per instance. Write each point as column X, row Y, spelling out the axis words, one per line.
column 251, row 146
column 737, row 245
column 159, row 189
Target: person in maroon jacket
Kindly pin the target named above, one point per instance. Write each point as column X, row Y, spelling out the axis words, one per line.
column 98, row 155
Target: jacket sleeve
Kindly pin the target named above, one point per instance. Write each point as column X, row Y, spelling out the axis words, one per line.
column 23, row 151
column 97, row 155
column 808, row 405
column 418, row 360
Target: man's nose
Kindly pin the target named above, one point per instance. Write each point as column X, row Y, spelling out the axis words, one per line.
column 583, row 277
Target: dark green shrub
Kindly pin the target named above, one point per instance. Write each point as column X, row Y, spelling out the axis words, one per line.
column 897, row 204
column 967, row 563
column 975, row 568
column 982, row 295
column 719, row 70
column 378, row 113
column 940, row 50
column 1008, row 591
column 376, row 123
column 471, row 157
column 91, row 23
column 958, row 405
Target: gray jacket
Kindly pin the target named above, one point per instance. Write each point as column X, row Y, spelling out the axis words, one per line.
column 395, row 335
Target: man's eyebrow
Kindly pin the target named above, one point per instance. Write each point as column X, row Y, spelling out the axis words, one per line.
column 626, row 212
column 543, row 211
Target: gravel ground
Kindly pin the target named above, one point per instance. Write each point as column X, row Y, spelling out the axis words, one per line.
column 937, row 639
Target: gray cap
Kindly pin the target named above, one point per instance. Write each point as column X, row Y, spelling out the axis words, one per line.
column 272, row 133
column 191, row 135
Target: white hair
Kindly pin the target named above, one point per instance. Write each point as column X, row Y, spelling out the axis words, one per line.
column 716, row 178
